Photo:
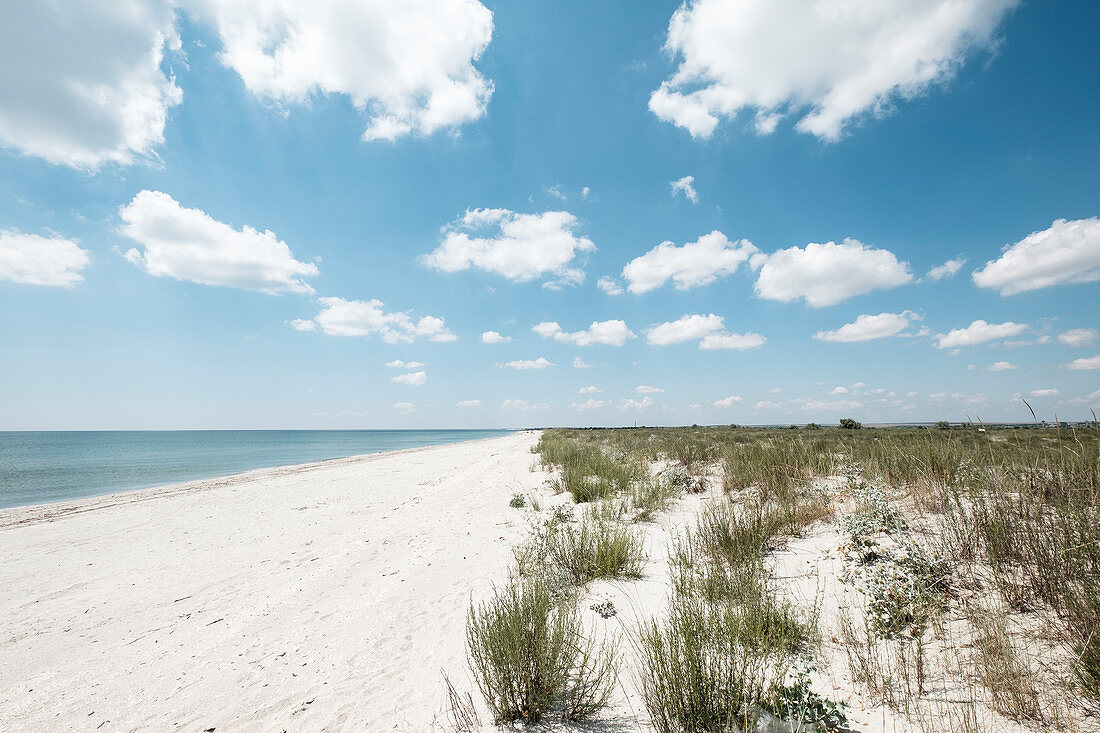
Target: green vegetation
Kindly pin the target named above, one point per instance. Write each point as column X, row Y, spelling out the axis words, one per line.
column 932, row 519
column 530, row 658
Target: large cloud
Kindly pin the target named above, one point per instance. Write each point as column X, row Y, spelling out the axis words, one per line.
column 694, row 264
column 408, row 66
column 82, row 84
column 34, row 260
column 340, row 317
column 869, row 327
column 709, row 330
column 979, row 332
column 519, row 247
column 610, row 333
column 188, row 244
column 835, row 60
column 1066, row 252
column 825, row 274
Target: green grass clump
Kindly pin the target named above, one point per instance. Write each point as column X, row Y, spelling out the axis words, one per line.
column 595, row 549
column 708, row 666
column 650, row 497
column 530, row 658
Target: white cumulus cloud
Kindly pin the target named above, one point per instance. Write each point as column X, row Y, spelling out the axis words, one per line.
column 826, row 274
column 609, row 333
column 468, row 403
column 869, row 327
column 1066, row 252
column 641, row 404
column 589, row 390
column 524, row 364
column 34, row 260
column 979, row 332
column 407, row 66
column 1088, row 362
column 340, row 317
column 1001, row 366
column 831, row 61
column 189, row 244
column 1078, row 337
column 412, row 379
column 694, row 264
column 589, row 404
column 647, row 389
column 1044, row 392
column 579, row 363
column 685, row 186
column 399, row 364
column 84, row 83
column 709, row 330
column 492, row 337
column 519, row 247
column 728, row 401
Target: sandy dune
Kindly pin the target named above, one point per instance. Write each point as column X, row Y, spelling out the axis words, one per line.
column 324, row 596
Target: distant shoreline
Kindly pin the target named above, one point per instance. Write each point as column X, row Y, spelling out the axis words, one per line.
column 182, row 469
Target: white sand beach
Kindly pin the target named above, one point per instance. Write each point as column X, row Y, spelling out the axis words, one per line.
column 327, row 596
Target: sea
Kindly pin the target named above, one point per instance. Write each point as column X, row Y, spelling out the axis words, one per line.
column 40, row 467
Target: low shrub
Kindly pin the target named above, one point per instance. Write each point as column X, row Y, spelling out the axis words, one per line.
column 529, row 657
column 709, row 666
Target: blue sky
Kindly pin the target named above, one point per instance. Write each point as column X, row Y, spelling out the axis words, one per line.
column 234, row 216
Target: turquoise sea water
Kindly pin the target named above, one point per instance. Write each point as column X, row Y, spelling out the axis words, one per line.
column 39, row 467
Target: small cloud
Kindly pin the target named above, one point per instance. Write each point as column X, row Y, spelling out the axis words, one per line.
column 579, row 363
column 1090, row 362
column 728, row 401
column 588, row 390
column 589, row 404
column 869, row 327
column 404, row 406
column 608, row 333
column 1001, row 366
column 1044, row 393
column 492, row 337
column 637, row 404
column 468, row 403
column 556, row 192
column 708, row 329
column 947, row 269
column 303, row 324
column 586, row 192
column 685, row 186
column 646, row 389
column 523, row 364
column 412, row 379
column 1078, row 337
column 512, row 404
column 979, row 332
column 398, row 364
column 609, row 285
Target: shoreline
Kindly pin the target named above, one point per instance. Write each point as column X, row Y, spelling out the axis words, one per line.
column 49, row 510
column 325, row 596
